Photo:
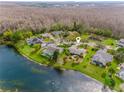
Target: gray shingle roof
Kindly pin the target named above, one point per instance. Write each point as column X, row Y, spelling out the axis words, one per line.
column 121, row 74
column 57, row 32
column 76, row 51
column 46, row 35
column 49, row 51
column 103, row 57
column 121, row 42
column 34, row 40
column 51, row 48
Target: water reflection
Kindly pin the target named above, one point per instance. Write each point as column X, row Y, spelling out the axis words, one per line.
column 19, row 74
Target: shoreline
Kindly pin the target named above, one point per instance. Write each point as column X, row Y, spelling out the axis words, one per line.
column 95, row 80
column 33, row 61
column 53, row 66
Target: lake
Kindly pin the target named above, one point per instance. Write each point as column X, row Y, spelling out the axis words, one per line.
column 19, row 74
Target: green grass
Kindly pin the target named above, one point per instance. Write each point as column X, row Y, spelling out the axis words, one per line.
column 85, row 36
column 110, row 42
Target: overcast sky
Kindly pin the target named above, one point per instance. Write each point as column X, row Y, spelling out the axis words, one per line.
column 62, row 0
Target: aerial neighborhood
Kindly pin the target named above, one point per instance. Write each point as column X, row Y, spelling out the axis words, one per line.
column 76, row 52
column 98, row 56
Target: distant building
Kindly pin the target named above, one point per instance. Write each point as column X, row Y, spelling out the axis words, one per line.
column 57, row 33
column 32, row 41
column 101, row 58
column 121, row 66
column 47, row 35
column 120, row 74
column 45, row 44
column 76, row 51
column 121, row 43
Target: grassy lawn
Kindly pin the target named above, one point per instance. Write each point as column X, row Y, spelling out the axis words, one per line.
column 28, row 51
column 85, row 36
column 110, row 42
column 85, row 66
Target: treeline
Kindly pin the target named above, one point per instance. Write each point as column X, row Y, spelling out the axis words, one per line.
column 76, row 28
column 15, row 17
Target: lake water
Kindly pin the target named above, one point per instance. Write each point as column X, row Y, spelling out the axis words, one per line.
column 18, row 73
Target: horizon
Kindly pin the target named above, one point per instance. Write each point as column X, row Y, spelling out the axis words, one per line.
column 61, row 0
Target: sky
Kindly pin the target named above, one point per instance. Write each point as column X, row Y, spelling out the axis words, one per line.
column 62, row 0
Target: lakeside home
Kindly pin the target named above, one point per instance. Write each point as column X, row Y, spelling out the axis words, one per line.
column 46, row 35
column 57, row 33
column 101, row 58
column 32, row 41
column 49, row 51
column 121, row 43
column 120, row 74
column 50, row 48
column 76, row 51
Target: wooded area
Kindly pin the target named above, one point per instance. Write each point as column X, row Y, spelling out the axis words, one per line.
column 15, row 17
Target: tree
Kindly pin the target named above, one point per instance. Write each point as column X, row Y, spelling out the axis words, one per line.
column 111, row 70
column 75, row 27
column 120, row 49
column 17, row 36
column 103, row 75
column 101, row 31
column 36, row 47
column 66, row 51
column 72, row 36
column 109, row 81
column 8, row 34
column 27, row 34
column 99, row 45
column 55, row 56
column 119, row 56
column 56, row 27
column 81, row 28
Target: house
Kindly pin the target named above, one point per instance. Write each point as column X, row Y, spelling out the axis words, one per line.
column 45, row 44
column 121, row 43
column 120, row 74
column 46, row 35
column 56, row 47
column 49, row 51
column 77, row 51
column 101, row 58
column 58, row 41
column 32, row 41
column 50, row 48
column 51, row 44
column 121, row 65
column 56, row 33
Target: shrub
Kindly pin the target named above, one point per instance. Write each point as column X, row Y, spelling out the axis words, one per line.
column 103, row 75
column 111, row 51
column 103, row 32
column 119, row 56
column 66, row 51
column 17, row 36
column 109, row 81
column 8, row 34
